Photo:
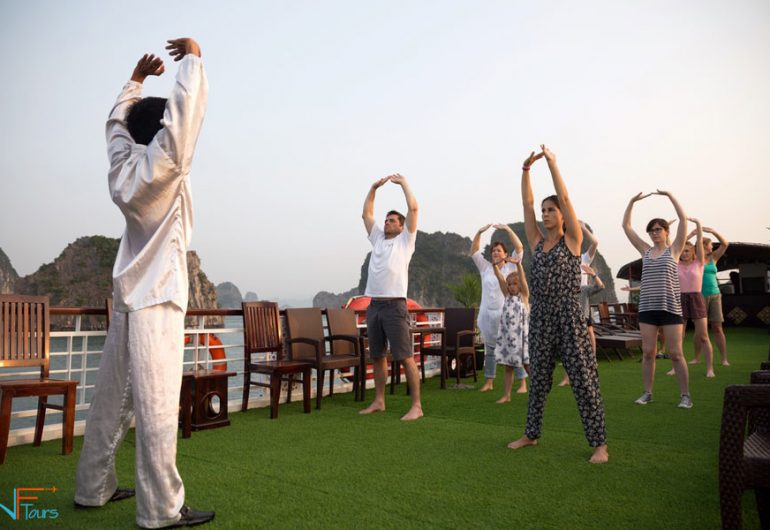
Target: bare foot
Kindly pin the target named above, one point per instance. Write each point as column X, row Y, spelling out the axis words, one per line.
column 711, row 373
column 695, row 361
column 523, row 388
column 725, row 363
column 504, row 399
column 565, row 381
column 415, row 413
column 522, row 442
column 671, row 372
column 600, row 456
column 374, row 407
column 488, row 385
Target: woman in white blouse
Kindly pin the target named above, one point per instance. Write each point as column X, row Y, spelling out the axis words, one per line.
column 492, row 298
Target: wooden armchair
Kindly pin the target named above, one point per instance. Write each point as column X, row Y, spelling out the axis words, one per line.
column 307, row 343
column 25, row 325
column 262, row 334
column 457, row 340
column 342, row 322
column 744, row 449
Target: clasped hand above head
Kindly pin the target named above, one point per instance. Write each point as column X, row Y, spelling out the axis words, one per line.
column 641, row 195
column 396, row 178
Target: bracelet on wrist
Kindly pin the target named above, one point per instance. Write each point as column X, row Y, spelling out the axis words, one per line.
column 525, row 168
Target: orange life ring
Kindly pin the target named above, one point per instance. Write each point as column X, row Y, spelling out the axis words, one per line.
column 214, row 345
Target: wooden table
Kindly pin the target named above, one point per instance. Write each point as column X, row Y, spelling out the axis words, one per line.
column 199, row 389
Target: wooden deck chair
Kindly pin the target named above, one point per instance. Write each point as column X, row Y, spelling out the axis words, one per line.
column 262, row 334
column 342, row 322
column 307, row 343
column 25, row 326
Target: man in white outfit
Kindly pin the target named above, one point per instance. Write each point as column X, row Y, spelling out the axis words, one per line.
column 150, row 144
column 387, row 319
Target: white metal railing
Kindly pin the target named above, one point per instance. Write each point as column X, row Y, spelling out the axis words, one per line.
column 76, row 353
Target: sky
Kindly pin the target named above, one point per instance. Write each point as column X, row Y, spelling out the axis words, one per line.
column 310, row 102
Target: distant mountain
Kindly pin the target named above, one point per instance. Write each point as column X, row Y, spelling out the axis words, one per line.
column 8, row 276
column 82, row 276
column 250, row 297
column 332, row 300
column 229, row 296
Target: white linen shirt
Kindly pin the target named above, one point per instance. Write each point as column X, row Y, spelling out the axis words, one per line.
column 585, row 259
column 492, row 297
column 388, row 275
column 150, row 184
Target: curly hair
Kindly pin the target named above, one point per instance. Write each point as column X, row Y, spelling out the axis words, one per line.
column 143, row 119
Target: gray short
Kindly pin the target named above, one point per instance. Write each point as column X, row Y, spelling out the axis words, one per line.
column 714, row 308
column 387, row 321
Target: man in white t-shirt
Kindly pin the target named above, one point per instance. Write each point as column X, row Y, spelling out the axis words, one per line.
column 387, row 319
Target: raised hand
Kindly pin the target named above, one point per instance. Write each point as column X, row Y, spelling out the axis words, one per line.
column 512, row 259
column 639, row 196
column 178, row 48
column 693, row 220
column 398, row 178
column 485, row 228
column 662, row 192
column 502, row 226
column 380, row 182
column 547, row 153
column 148, row 65
column 531, row 160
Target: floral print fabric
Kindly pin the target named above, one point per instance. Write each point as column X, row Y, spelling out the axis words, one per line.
column 512, row 347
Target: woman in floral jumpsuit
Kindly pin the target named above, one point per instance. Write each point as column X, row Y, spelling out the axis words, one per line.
column 557, row 327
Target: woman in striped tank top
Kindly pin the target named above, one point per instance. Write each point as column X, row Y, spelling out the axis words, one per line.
column 659, row 300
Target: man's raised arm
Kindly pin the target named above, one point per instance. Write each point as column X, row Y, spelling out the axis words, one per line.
column 186, row 105
column 368, row 214
column 119, row 140
column 411, row 202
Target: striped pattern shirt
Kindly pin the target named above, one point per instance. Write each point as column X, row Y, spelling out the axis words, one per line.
column 660, row 284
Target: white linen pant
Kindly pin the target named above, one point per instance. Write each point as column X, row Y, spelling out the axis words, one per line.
column 140, row 373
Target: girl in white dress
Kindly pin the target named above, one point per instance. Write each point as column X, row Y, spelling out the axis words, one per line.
column 512, row 348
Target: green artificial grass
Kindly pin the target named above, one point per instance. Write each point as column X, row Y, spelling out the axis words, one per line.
column 336, row 469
